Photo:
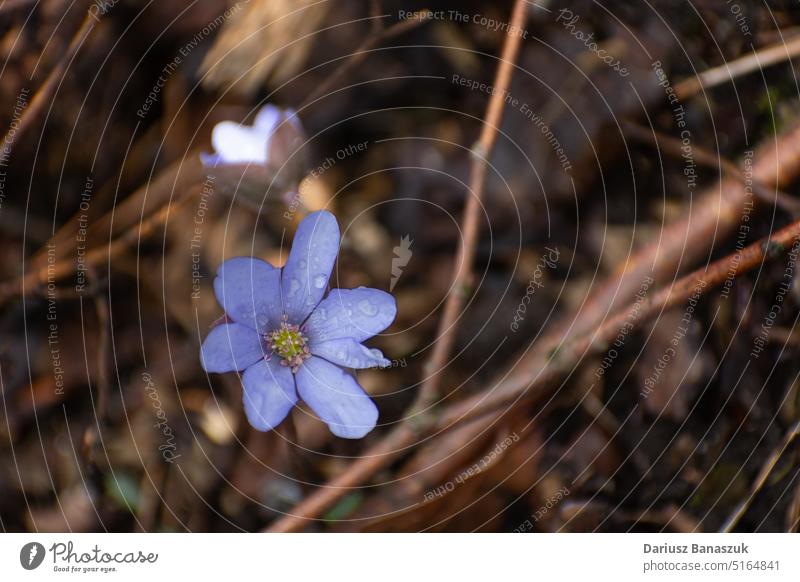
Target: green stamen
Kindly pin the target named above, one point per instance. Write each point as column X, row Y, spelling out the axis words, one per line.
column 289, row 344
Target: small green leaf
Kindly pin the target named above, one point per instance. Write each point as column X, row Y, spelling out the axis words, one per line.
column 345, row 507
column 123, row 489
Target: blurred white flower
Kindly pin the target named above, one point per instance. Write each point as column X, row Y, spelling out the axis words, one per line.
column 236, row 143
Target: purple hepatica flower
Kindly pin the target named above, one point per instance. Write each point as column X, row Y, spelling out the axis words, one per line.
column 235, row 143
column 291, row 342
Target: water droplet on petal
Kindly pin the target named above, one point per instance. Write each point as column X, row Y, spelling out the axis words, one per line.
column 367, row 308
column 294, row 285
column 320, row 281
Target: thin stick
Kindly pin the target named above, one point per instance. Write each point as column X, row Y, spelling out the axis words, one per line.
column 463, row 276
column 44, row 93
column 711, row 217
column 674, row 147
column 567, row 355
column 765, row 57
column 94, row 257
column 761, row 478
column 102, row 386
column 103, row 362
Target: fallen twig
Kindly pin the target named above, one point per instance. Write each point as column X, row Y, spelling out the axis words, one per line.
column 35, row 280
column 761, row 478
column 44, row 93
column 470, row 226
column 673, row 147
column 761, row 58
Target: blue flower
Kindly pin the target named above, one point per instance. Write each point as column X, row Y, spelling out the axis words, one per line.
column 235, row 143
column 291, row 342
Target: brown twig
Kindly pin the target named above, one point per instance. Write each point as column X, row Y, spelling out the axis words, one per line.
column 712, row 216
column 42, row 96
column 674, row 147
column 764, row 57
column 181, row 178
column 103, row 353
column 60, row 269
column 358, row 472
column 94, row 430
column 596, row 342
column 761, row 478
column 463, row 275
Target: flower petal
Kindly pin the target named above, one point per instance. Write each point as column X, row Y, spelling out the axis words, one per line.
column 336, row 398
column 292, row 118
column 356, row 313
column 267, row 119
column 269, row 393
column 308, row 268
column 239, row 144
column 210, row 160
column 250, row 293
column 229, row 348
column 349, row 353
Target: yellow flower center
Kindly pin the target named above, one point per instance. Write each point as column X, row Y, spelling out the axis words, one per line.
column 289, row 344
